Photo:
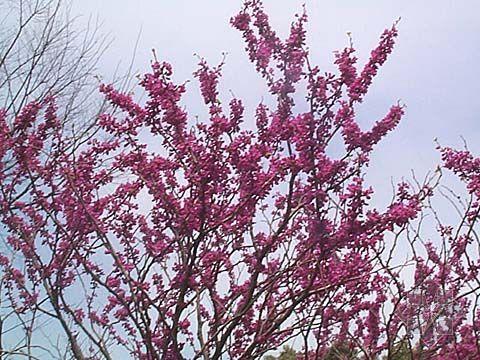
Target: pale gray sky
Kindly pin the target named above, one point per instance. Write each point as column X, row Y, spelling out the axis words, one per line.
column 434, row 68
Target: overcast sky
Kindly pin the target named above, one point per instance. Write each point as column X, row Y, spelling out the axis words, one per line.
column 434, row 69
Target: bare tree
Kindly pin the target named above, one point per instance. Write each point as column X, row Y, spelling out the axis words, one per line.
column 45, row 52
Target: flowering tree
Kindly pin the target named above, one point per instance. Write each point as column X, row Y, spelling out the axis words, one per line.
column 223, row 242
column 44, row 52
